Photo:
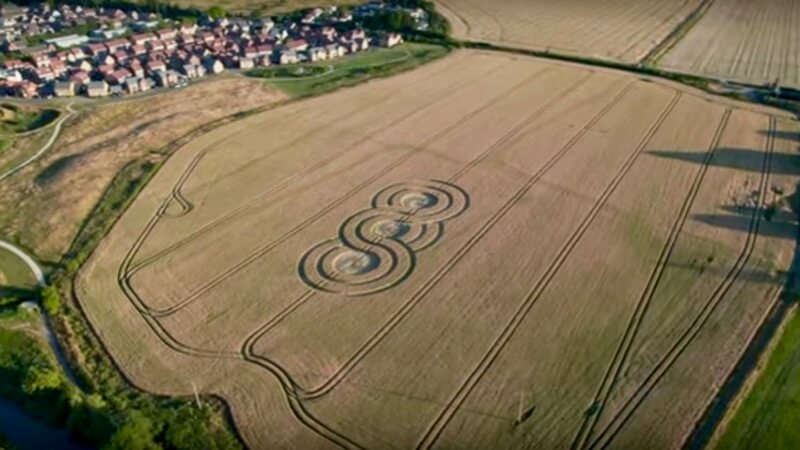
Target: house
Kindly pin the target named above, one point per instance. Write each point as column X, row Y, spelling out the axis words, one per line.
column 138, row 50
column 289, row 57
column 145, row 84
column 44, row 74
column 166, row 33
column 26, row 89
column 297, row 45
column 116, row 44
column 68, row 41
column 97, row 89
column 132, row 85
column 246, row 63
column 143, row 38
column 262, row 61
column 334, row 51
column 155, row 66
column 328, row 33
column 41, row 60
column 105, row 34
column 96, row 49
column 105, row 70
column 77, row 54
column 136, row 68
column 120, row 56
column 166, row 78
column 58, row 67
column 363, row 44
column 11, row 75
column 117, row 76
column 64, row 88
column 249, row 52
column 264, row 50
column 13, row 64
column 390, row 39
column 317, row 54
column 156, row 46
column 214, row 65
column 80, row 77
column 193, row 70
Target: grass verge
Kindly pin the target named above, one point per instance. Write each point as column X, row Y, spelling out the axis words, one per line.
column 769, row 413
column 16, row 119
column 306, row 80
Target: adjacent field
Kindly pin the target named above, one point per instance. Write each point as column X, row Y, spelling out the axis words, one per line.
column 768, row 416
column 488, row 252
column 742, row 40
column 623, row 30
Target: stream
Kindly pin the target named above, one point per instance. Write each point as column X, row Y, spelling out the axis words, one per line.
column 27, row 433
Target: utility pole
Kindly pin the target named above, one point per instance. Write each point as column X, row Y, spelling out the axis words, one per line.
column 196, row 396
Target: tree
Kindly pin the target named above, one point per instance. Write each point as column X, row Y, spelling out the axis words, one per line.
column 40, row 379
column 51, row 300
column 216, row 12
column 90, row 421
column 136, row 433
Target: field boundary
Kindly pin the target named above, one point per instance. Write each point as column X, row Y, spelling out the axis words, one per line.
column 695, row 81
column 666, row 44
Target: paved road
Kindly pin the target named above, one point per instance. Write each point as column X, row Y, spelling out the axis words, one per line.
column 45, row 147
column 30, row 262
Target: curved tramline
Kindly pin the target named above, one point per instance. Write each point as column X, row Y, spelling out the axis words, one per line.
column 417, row 297
column 395, row 258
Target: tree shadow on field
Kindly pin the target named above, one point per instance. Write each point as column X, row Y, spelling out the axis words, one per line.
column 782, row 134
column 738, row 158
column 782, row 229
column 749, row 274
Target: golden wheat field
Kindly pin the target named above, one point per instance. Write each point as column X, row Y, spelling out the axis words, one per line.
column 743, row 40
column 622, row 30
column 489, row 252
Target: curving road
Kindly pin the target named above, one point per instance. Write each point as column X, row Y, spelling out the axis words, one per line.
column 45, row 147
column 30, row 262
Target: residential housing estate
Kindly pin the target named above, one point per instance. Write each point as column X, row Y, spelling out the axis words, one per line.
column 126, row 52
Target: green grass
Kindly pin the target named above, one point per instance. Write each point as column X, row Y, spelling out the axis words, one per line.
column 15, row 274
column 4, row 144
column 350, row 70
column 769, row 416
column 19, row 120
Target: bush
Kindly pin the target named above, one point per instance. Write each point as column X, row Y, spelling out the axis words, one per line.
column 51, row 300
column 136, row 433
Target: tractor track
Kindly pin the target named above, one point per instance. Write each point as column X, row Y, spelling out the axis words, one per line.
column 607, row 435
column 289, row 387
column 348, row 365
column 620, row 356
column 440, row 422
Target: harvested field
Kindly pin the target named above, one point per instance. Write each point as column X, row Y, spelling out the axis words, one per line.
column 622, row 30
column 487, row 252
column 743, row 40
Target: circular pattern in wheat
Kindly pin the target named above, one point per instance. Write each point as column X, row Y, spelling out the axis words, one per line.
column 375, row 249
